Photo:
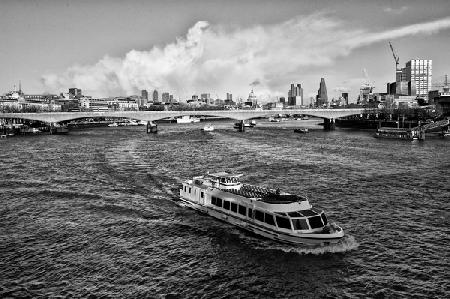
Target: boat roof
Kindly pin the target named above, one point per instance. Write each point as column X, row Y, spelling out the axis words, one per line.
column 224, row 174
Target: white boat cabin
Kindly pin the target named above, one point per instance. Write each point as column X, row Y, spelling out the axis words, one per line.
column 225, row 194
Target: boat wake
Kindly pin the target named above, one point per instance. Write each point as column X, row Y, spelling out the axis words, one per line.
column 347, row 243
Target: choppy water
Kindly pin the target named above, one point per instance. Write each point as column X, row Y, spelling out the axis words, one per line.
column 93, row 214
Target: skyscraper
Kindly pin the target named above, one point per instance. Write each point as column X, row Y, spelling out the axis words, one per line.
column 165, row 97
column 295, row 95
column 155, row 96
column 144, row 94
column 322, row 97
column 418, row 74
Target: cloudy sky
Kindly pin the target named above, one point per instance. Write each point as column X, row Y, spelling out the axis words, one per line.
column 190, row 47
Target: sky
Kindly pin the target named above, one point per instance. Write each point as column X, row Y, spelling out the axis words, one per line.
column 117, row 48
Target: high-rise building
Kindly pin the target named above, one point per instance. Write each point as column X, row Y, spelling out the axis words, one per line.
column 322, row 97
column 205, row 98
column 165, row 97
column 345, row 98
column 413, row 80
column 418, row 74
column 229, row 97
column 144, row 94
column 295, row 95
column 155, row 96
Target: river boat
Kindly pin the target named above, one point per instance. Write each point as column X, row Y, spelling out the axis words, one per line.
column 186, row 119
column 273, row 214
column 113, row 125
column 393, row 133
column 208, row 128
column 301, row 130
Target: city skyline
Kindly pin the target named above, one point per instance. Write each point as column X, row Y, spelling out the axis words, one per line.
column 209, row 47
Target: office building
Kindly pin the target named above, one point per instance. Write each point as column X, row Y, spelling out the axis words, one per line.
column 418, row 74
column 155, row 96
column 229, row 97
column 322, row 97
column 144, row 94
column 295, row 95
column 165, row 97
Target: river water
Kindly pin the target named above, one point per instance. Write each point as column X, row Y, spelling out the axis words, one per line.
column 94, row 214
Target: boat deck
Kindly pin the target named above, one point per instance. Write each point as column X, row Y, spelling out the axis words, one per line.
column 266, row 194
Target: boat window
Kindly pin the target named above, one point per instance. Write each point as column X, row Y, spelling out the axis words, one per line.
column 226, row 204
column 283, row 222
column 300, row 224
column 295, row 214
column 184, row 188
column 214, row 201
column 324, row 219
column 315, row 222
column 259, row 215
column 308, row 213
column 189, row 189
column 202, row 194
column 219, row 202
column 234, row 207
column 250, row 213
column 269, row 219
column 242, row 210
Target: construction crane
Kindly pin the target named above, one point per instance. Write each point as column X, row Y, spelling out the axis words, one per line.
column 396, row 58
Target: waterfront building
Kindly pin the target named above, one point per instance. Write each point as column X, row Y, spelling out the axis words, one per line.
column 155, row 96
column 413, row 80
column 322, row 96
column 229, row 97
column 295, row 95
column 418, row 74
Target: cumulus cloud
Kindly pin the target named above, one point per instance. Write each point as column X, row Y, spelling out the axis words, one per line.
column 220, row 59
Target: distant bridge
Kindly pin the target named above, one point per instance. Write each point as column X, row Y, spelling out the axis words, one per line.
column 241, row 115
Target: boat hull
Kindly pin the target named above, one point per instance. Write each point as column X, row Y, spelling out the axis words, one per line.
column 295, row 239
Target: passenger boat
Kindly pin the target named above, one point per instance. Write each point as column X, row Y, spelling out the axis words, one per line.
column 270, row 213
column 393, row 133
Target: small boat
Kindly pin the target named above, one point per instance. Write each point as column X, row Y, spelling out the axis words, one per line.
column 301, row 130
column 113, row 125
column 273, row 214
column 208, row 128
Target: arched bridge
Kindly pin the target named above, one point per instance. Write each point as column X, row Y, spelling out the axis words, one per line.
column 55, row 117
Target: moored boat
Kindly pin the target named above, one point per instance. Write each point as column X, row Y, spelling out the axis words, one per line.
column 270, row 213
column 208, row 128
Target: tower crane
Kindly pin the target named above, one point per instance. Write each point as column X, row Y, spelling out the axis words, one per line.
column 396, row 58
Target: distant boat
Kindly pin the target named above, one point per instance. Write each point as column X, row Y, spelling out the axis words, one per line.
column 301, row 130
column 208, row 128
column 113, row 125
column 186, row 119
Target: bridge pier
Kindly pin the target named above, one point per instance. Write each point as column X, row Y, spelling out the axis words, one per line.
column 329, row 124
column 152, row 127
column 241, row 126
